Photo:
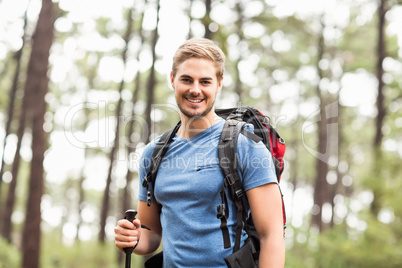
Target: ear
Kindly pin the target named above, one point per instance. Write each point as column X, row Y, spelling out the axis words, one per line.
column 172, row 79
column 220, row 84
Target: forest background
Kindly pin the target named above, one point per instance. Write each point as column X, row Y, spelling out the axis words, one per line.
column 83, row 87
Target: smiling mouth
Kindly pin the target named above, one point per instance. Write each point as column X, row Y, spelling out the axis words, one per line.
column 194, row 100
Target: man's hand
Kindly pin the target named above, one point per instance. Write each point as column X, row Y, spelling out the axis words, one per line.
column 127, row 234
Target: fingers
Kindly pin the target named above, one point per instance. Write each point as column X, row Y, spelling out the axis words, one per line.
column 127, row 234
column 125, row 224
column 122, row 242
column 137, row 224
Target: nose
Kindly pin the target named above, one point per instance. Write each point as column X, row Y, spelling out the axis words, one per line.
column 196, row 88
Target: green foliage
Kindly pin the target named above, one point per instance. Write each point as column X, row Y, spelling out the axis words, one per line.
column 342, row 246
column 88, row 254
column 375, row 247
column 10, row 256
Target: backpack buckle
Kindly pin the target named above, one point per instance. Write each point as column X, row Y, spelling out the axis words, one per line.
column 229, row 180
column 221, row 211
column 145, row 183
column 239, row 193
column 146, row 180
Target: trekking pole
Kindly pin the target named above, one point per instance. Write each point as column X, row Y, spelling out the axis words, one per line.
column 130, row 216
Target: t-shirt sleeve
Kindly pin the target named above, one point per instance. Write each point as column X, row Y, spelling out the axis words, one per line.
column 145, row 161
column 256, row 167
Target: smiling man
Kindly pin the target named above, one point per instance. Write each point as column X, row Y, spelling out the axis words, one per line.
column 183, row 205
column 195, row 89
column 196, row 85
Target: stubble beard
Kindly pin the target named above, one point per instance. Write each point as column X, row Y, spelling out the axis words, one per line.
column 196, row 115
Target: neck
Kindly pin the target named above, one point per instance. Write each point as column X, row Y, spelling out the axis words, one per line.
column 192, row 126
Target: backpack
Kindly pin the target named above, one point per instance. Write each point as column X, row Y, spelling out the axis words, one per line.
column 235, row 119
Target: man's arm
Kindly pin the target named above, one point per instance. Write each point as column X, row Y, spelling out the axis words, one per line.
column 266, row 209
column 128, row 234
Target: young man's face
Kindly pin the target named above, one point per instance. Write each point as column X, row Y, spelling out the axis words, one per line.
column 196, row 87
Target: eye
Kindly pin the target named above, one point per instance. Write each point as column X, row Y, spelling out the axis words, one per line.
column 186, row 80
column 206, row 82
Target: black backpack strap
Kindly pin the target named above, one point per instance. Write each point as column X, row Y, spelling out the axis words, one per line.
column 160, row 150
column 227, row 154
column 250, row 135
column 223, row 214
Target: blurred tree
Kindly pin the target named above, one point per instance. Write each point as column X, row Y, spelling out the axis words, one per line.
column 152, row 81
column 321, row 185
column 132, row 144
column 190, row 17
column 381, row 110
column 239, row 31
column 116, row 143
column 9, row 206
column 206, row 21
column 37, row 86
column 81, row 191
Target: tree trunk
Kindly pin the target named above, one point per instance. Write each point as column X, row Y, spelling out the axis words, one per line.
column 207, row 19
column 381, row 110
column 127, row 198
column 321, row 185
column 81, row 191
column 152, row 78
column 381, row 53
column 115, row 148
column 10, row 110
column 240, row 20
column 7, row 224
column 188, row 11
column 334, row 189
column 37, row 85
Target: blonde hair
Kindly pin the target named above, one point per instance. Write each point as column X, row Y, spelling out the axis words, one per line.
column 200, row 48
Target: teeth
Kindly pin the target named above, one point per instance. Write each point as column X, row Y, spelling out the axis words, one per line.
column 195, row 101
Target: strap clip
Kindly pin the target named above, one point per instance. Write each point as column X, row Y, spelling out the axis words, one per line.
column 229, row 180
column 239, row 193
column 146, row 180
column 221, row 211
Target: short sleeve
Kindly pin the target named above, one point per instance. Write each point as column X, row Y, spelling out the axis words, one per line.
column 256, row 167
column 144, row 169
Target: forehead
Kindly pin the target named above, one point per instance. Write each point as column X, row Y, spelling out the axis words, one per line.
column 197, row 67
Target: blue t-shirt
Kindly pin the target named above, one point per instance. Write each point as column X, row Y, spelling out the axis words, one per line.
column 188, row 187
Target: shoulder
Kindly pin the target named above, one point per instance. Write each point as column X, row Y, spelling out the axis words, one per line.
column 149, row 149
column 247, row 142
column 252, row 153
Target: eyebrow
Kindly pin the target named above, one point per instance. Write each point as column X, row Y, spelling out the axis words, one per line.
column 202, row 78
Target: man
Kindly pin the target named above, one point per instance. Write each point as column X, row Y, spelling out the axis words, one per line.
column 189, row 180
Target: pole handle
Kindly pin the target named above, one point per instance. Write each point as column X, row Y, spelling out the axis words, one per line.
column 130, row 216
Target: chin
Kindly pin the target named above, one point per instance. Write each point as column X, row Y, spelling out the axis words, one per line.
column 195, row 114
